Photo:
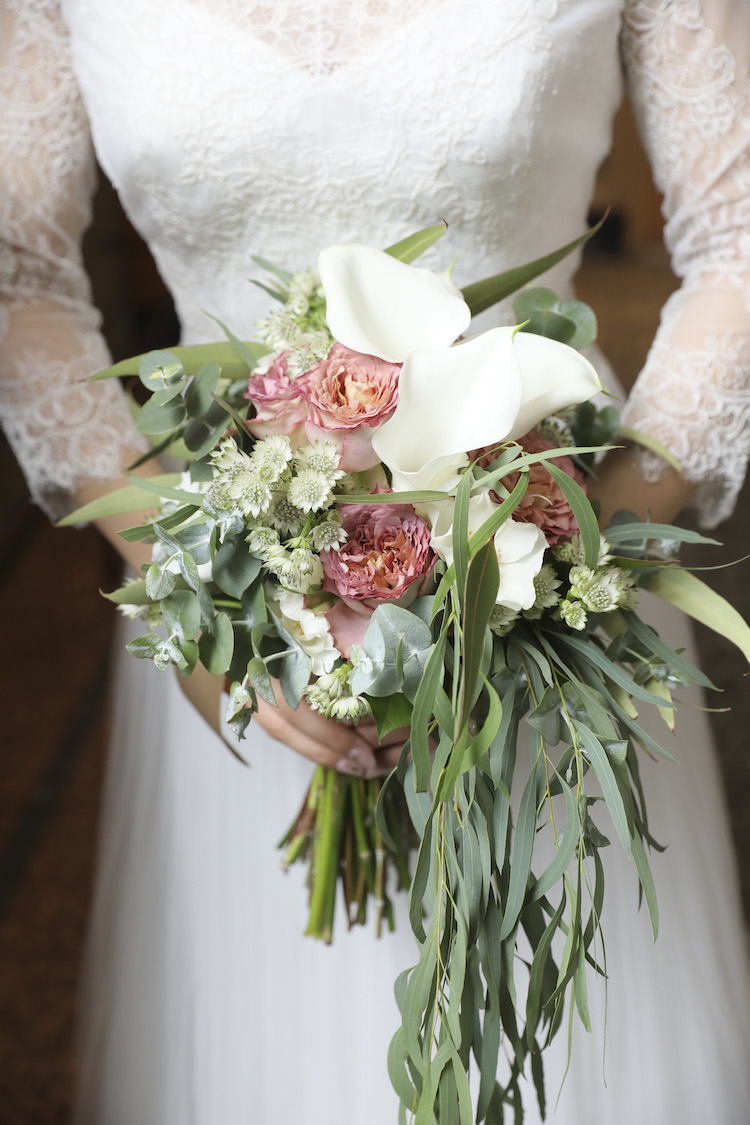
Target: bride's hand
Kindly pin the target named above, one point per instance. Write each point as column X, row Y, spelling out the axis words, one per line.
column 620, row 484
column 353, row 750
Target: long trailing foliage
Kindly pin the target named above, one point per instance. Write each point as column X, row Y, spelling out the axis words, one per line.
column 522, row 758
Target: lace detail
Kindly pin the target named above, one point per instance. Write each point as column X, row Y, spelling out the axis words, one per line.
column 688, row 66
column 62, row 430
column 303, row 124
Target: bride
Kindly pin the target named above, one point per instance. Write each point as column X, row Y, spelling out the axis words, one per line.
column 234, row 127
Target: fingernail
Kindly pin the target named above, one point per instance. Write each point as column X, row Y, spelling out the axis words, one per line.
column 364, row 758
column 344, row 765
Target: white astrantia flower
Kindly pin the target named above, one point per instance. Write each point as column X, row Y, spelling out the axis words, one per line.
column 229, row 459
column 309, row 629
column 486, row 390
column 263, row 541
column 380, row 306
column 519, row 547
column 546, row 585
column 573, row 614
column 329, row 534
column 573, row 551
column 322, row 457
column 271, row 456
column 286, row 517
column 310, row 491
column 502, row 620
column 601, row 590
column 252, row 494
column 301, row 571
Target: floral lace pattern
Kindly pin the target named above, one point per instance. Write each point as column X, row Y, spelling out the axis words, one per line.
column 689, row 71
column 62, row 429
column 307, row 124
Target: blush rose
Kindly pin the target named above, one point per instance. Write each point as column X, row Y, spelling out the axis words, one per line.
column 349, row 395
column 280, row 402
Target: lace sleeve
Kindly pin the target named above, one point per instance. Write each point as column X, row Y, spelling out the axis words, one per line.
column 688, row 69
column 62, row 430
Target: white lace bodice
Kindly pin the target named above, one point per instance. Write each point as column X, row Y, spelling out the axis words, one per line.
column 233, row 127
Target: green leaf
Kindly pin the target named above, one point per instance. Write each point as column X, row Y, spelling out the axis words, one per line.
column 118, row 502
column 647, row 882
column 565, row 850
column 482, row 295
column 410, row 248
column 584, row 319
column 651, row 640
column 582, row 510
column 155, row 419
column 695, row 598
column 648, row 442
column 241, row 350
column 482, row 579
column 199, row 395
column 604, row 771
column 431, row 681
column 154, row 486
column 181, row 612
column 216, row 644
column 159, row 582
column 633, row 530
column 523, row 849
column 460, row 534
column 261, row 681
column 193, row 357
column 235, row 568
column 552, row 324
column 392, row 628
column 390, row 712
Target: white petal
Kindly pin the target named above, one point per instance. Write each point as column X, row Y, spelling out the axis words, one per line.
column 520, row 552
column 450, row 402
column 380, row 306
column 553, row 375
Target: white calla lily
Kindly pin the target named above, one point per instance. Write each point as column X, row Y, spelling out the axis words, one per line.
column 450, row 402
column 519, row 547
column 380, row 306
column 492, row 388
column 554, row 376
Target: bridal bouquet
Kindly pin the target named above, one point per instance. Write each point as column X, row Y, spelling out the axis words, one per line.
column 390, row 521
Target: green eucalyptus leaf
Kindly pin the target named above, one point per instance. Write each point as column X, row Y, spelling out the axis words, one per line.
column 159, row 582
column 235, row 568
column 391, row 629
column 695, row 598
column 552, row 324
column 604, row 771
column 523, row 850
column 584, row 319
column 582, row 510
column 155, row 419
column 159, row 369
column 216, row 645
column 390, row 712
column 203, row 386
column 182, row 615
column 258, row 675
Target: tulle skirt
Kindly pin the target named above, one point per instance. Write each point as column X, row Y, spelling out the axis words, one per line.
column 204, row 1005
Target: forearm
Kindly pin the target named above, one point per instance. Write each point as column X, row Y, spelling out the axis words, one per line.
column 620, row 484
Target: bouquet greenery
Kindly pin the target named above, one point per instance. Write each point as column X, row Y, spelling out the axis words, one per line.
column 385, row 519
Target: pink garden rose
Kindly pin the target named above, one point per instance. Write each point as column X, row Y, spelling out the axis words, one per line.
column 386, row 557
column 280, row 403
column 349, row 395
column 544, row 502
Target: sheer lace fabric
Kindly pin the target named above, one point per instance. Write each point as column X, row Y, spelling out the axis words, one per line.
column 302, row 124
column 689, row 73
column 62, row 429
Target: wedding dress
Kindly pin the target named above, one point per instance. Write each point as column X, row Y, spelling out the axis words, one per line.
column 276, row 127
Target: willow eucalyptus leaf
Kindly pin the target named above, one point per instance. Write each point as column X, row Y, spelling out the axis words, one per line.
column 411, row 248
column 520, row 864
column 605, row 773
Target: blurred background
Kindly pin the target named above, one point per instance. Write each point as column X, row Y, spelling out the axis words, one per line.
column 53, row 722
